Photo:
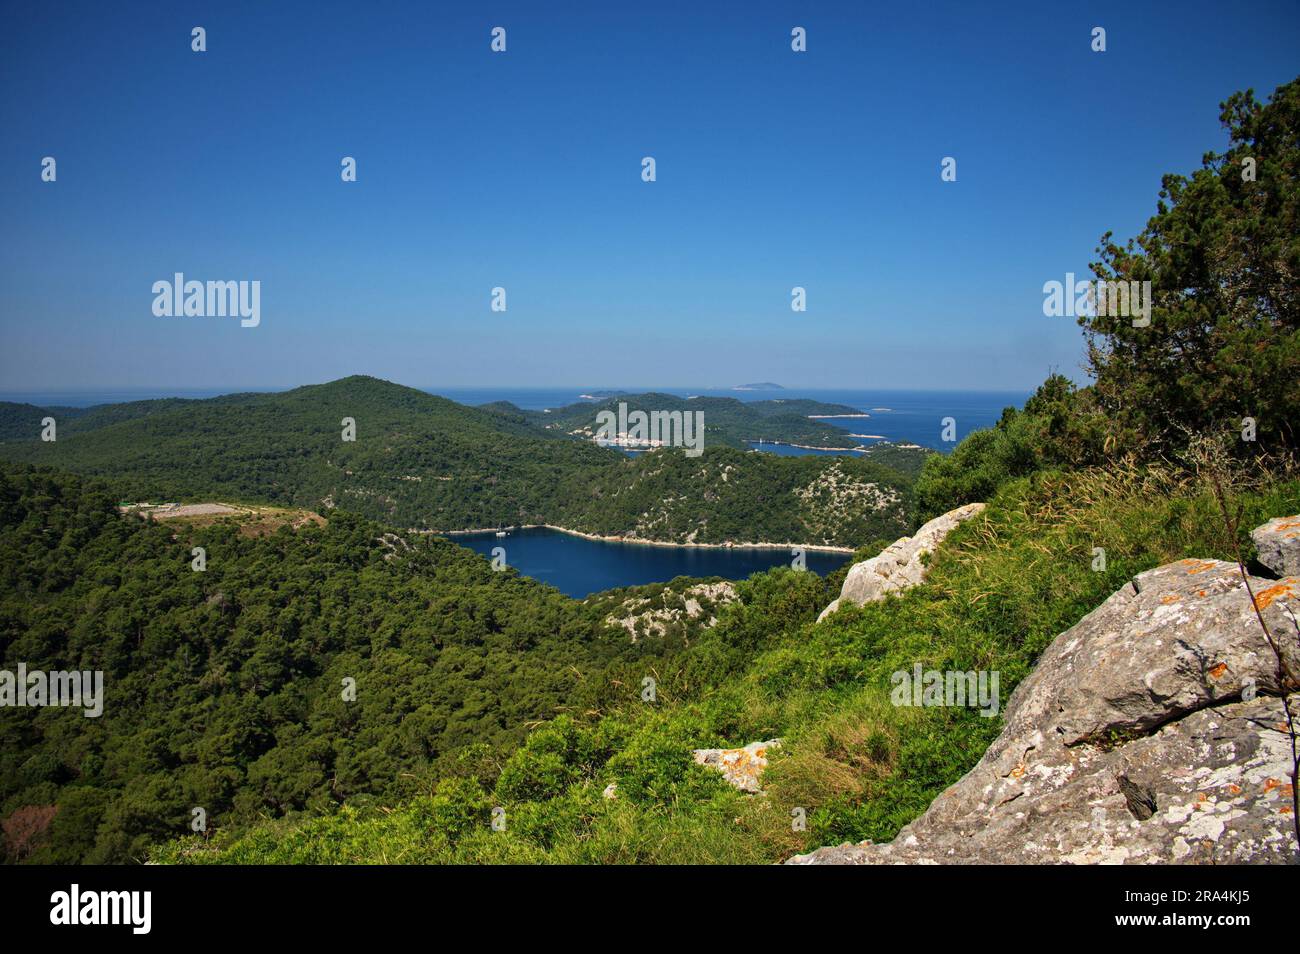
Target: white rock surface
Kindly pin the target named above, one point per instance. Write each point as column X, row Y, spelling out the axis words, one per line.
column 899, row 566
column 1278, row 543
column 1152, row 731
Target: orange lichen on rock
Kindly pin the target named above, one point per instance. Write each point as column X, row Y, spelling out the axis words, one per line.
column 1199, row 566
column 1283, row 788
column 1218, row 670
column 741, row 767
column 1171, row 598
column 1264, row 598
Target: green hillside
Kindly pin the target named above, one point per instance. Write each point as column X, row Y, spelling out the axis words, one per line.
column 420, row 461
column 1000, row 589
column 744, row 497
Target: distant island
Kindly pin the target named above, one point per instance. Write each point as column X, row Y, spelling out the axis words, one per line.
column 763, row 386
column 731, row 421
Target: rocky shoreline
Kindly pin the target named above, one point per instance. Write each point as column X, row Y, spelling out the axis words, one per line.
column 845, row 450
column 729, row 545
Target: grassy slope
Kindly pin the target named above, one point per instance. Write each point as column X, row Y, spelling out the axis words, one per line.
column 1000, row 590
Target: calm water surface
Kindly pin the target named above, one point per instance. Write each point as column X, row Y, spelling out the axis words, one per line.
column 578, row 567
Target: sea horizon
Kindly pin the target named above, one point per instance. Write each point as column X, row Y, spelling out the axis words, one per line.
column 479, row 394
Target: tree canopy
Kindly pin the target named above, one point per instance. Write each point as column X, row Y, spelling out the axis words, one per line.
column 1222, row 254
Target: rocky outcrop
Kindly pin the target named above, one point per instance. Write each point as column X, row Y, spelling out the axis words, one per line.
column 741, row 767
column 1152, row 731
column 641, row 618
column 834, row 498
column 901, row 565
column 392, row 544
column 1278, row 543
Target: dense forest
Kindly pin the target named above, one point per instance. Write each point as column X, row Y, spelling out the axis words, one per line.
column 417, row 460
column 854, row 765
column 225, row 688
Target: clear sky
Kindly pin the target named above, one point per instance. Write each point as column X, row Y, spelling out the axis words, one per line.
column 523, row 170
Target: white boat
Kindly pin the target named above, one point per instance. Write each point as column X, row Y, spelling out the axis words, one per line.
column 501, row 533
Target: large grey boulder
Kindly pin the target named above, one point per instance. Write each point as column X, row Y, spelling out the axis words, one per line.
column 1278, row 543
column 899, row 566
column 1142, row 736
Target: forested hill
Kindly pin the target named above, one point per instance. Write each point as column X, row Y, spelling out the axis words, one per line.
column 417, row 459
column 421, row 461
column 225, row 688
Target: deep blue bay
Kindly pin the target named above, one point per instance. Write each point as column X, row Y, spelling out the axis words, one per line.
column 579, row 567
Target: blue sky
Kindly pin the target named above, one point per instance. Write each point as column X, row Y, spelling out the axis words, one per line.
column 522, row 170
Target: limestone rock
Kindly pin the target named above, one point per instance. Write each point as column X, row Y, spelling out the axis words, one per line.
column 1278, row 543
column 643, row 616
column 899, row 566
column 741, row 767
column 1138, row 738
